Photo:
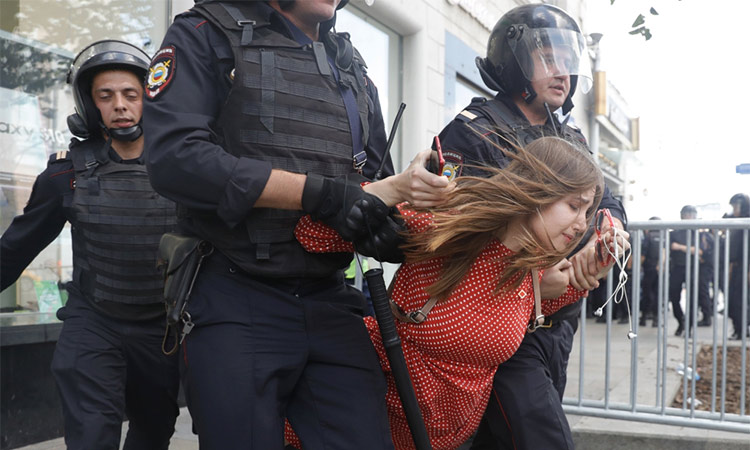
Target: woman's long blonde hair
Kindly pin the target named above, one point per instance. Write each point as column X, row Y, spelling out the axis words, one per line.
column 479, row 210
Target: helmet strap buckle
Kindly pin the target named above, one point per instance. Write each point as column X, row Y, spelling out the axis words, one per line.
column 528, row 94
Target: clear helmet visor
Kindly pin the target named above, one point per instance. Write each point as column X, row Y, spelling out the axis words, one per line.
column 549, row 52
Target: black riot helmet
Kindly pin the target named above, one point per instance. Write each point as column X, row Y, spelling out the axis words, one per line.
column 533, row 42
column 743, row 202
column 99, row 56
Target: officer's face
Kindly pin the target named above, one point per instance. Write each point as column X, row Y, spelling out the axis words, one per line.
column 551, row 81
column 561, row 222
column 314, row 11
column 119, row 96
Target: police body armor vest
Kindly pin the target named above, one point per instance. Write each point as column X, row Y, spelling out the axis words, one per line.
column 517, row 129
column 284, row 107
column 117, row 221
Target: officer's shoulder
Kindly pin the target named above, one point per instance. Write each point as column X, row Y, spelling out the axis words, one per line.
column 188, row 15
column 59, row 157
column 474, row 111
column 188, row 22
column 59, row 170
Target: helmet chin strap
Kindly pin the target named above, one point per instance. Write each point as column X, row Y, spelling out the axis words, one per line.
column 123, row 134
column 528, row 94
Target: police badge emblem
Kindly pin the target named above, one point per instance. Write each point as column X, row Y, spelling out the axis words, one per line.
column 161, row 72
column 453, row 164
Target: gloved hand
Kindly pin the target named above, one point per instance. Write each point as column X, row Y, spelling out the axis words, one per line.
column 331, row 199
column 383, row 244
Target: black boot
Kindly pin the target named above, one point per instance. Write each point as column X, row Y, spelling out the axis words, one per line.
column 680, row 329
column 705, row 322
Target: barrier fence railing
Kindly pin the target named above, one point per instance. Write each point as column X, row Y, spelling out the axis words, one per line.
column 669, row 364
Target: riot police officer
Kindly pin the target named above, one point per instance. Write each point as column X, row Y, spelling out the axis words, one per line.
column 257, row 112
column 677, row 270
column 108, row 359
column 535, row 61
column 651, row 251
column 740, row 208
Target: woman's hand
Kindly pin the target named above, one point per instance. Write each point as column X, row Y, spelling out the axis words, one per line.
column 555, row 280
column 588, row 269
column 415, row 185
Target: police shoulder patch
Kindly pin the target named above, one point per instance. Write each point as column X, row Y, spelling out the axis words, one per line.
column 453, row 164
column 60, row 155
column 161, row 73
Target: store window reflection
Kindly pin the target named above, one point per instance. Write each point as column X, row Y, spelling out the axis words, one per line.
column 38, row 40
column 380, row 47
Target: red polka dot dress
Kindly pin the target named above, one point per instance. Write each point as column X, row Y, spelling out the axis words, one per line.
column 453, row 355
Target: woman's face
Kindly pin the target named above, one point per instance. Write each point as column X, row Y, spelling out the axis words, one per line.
column 559, row 223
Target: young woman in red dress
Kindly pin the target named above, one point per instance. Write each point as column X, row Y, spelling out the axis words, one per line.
column 469, row 266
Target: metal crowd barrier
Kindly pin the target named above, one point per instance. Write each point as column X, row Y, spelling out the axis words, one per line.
column 647, row 390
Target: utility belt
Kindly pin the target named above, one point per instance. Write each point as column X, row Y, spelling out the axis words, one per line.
column 301, row 286
column 181, row 258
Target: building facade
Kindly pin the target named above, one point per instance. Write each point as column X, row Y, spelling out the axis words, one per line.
column 419, row 52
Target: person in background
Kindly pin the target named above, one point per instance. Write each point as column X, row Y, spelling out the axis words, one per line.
column 740, row 208
column 108, row 361
column 651, row 263
column 677, row 270
column 536, row 58
column 256, row 113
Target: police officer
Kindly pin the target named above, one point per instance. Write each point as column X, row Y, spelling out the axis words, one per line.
column 677, row 270
column 651, row 251
column 256, row 113
column 740, row 208
column 705, row 277
column 535, row 60
column 108, row 359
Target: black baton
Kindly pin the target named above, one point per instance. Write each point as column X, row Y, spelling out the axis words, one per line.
column 392, row 344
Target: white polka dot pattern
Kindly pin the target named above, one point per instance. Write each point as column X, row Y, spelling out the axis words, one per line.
column 454, row 354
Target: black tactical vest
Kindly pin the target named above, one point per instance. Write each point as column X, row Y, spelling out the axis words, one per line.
column 284, row 107
column 117, row 220
column 517, row 129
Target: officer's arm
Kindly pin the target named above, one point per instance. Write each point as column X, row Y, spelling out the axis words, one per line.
column 42, row 220
column 185, row 163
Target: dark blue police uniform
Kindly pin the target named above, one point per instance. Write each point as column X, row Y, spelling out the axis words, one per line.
column 525, row 408
column 677, row 274
column 650, row 282
column 108, row 360
column 278, row 334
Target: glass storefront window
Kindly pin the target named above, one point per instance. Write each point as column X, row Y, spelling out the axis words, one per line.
column 380, row 47
column 38, row 40
column 465, row 91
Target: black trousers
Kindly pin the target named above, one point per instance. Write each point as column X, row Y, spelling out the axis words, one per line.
column 525, row 407
column 650, row 291
column 105, row 368
column 735, row 296
column 677, row 279
column 264, row 350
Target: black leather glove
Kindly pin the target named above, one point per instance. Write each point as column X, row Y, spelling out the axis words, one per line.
column 331, row 199
column 383, row 244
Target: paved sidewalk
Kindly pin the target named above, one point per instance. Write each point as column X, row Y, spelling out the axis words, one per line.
column 591, row 433
column 183, row 438
column 594, row 433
